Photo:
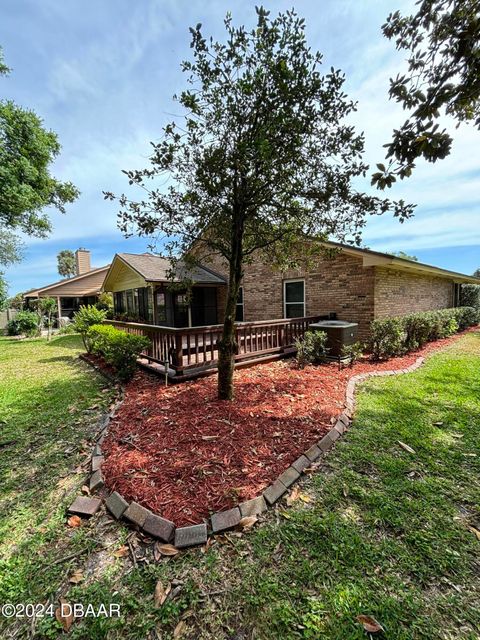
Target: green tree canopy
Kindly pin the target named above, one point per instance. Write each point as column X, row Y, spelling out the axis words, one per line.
column 11, row 248
column 443, row 77
column 27, row 150
column 66, row 263
column 263, row 158
column 404, row 256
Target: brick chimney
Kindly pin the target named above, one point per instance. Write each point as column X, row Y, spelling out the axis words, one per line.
column 82, row 258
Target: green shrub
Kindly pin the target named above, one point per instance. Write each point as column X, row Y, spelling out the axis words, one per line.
column 395, row 336
column 444, row 324
column 387, row 337
column 67, row 329
column 470, row 296
column 311, row 348
column 467, row 317
column 85, row 318
column 24, row 323
column 118, row 348
column 105, row 303
column 353, row 352
column 418, row 328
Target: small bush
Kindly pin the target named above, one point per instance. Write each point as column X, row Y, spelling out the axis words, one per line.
column 67, row 329
column 353, row 352
column 387, row 337
column 470, row 296
column 25, row 323
column 118, row 348
column 311, row 348
column 467, row 317
column 105, row 303
column 85, row 318
column 418, row 328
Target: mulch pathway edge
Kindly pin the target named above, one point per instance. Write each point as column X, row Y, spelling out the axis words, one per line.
column 197, row 534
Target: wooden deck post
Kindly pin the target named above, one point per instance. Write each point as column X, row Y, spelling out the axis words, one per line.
column 177, row 355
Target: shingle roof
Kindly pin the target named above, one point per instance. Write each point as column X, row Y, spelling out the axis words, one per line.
column 156, row 269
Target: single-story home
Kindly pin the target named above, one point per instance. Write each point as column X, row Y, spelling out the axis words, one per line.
column 353, row 284
column 71, row 293
column 142, row 291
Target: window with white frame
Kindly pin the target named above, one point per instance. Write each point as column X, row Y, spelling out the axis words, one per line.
column 294, row 298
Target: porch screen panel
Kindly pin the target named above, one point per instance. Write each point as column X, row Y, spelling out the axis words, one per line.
column 161, row 307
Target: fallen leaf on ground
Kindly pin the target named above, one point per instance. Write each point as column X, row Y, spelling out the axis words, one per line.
column 285, row 514
column 304, row 497
column 121, row 552
column 476, row 532
column 210, row 437
column 65, row 620
column 438, row 424
column 179, row 629
column 294, row 495
column 167, row 549
column 406, row 447
column 370, row 624
column 76, row 577
column 161, row 594
column 247, row 523
column 74, row 521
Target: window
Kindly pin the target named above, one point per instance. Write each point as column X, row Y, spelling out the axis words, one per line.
column 239, row 309
column 294, row 298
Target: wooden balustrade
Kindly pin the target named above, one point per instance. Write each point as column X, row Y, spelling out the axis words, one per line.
column 188, row 348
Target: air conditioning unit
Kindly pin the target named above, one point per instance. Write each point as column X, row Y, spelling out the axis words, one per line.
column 339, row 334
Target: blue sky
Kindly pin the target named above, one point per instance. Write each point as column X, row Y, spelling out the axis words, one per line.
column 102, row 75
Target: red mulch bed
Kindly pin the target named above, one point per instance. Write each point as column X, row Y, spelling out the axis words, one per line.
column 182, row 453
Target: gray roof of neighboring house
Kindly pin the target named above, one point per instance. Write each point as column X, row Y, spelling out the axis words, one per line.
column 156, row 269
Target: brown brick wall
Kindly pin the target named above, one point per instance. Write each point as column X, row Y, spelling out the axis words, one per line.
column 339, row 285
column 398, row 293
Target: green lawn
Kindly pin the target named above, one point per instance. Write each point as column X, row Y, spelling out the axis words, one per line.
column 385, row 533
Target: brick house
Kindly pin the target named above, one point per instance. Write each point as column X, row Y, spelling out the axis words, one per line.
column 357, row 285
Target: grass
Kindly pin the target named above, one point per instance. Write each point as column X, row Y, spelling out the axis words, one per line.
column 381, row 532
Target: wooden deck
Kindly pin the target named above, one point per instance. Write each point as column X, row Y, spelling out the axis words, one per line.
column 191, row 351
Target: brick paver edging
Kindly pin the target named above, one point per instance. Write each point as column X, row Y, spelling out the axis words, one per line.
column 157, row 527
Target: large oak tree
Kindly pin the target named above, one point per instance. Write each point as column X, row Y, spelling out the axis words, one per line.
column 263, row 157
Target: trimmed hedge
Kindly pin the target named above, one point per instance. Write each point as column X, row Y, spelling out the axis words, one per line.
column 397, row 336
column 118, row 348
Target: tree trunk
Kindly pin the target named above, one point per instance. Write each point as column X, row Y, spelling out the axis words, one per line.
column 227, row 346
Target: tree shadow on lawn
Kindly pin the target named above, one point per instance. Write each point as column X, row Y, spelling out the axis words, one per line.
column 73, row 341
column 55, row 359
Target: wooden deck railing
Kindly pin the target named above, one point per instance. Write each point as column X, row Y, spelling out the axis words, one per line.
column 196, row 347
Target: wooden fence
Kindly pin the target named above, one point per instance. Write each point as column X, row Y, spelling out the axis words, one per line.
column 195, row 348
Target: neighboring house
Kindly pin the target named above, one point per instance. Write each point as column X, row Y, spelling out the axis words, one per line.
column 142, row 292
column 357, row 285
column 71, row 293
